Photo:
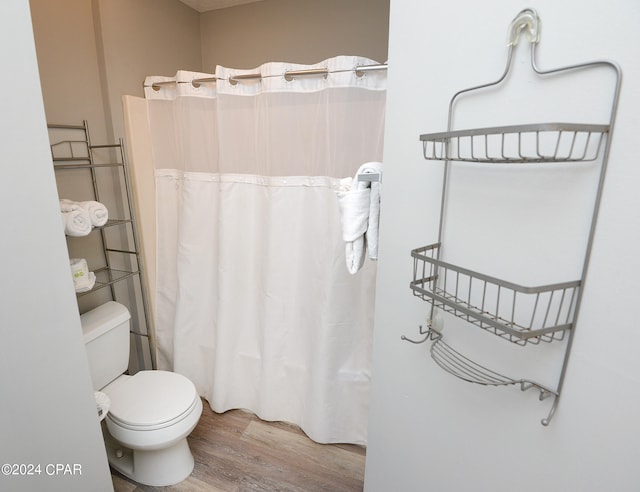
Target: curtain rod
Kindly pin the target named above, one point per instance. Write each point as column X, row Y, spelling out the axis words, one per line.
column 288, row 75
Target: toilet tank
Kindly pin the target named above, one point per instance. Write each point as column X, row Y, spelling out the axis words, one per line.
column 106, row 337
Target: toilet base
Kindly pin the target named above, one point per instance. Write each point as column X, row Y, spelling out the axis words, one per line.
column 157, row 467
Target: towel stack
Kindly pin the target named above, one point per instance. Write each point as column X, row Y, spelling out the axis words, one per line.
column 78, row 218
column 359, row 203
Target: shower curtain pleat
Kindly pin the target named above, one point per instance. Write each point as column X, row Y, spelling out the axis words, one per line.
column 253, row 300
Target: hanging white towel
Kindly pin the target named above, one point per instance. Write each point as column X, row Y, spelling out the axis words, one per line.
column 374, row 209
column 359, row 204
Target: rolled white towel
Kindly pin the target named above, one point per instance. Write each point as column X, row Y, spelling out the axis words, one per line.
column 98, row 213
column 68, row 205
column 76, row 223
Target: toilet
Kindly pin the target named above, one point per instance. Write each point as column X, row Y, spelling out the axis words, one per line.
column 150, row 414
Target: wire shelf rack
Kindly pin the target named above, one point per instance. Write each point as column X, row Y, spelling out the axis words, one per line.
column 516, row 313
column 534, row 143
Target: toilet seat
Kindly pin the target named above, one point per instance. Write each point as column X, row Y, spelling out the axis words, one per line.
column 150, row 400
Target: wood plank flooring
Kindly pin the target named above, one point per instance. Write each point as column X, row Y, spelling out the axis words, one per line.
column 238, row 452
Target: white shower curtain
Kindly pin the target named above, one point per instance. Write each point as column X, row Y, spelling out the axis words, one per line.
column 253, row 299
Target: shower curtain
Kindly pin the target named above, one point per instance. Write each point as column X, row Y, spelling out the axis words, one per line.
column 253, row 299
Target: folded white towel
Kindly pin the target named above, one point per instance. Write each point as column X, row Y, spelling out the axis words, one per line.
column 97, row 212
column 359, row 205
column 76, row 223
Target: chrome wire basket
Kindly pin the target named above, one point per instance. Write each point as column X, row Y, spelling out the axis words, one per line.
column 514, row 312
column 534, row 143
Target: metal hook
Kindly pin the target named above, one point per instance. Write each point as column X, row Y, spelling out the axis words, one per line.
column 546, row 420
column 429, row 334
column 422, row 332
column 544, row 394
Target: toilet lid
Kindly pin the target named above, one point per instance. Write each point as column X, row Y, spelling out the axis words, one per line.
column 151, row 399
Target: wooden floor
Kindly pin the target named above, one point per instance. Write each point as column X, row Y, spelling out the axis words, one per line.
column 237, row 452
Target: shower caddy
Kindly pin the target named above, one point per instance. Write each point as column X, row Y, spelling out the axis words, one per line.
column 76, row 152
column 519, row 314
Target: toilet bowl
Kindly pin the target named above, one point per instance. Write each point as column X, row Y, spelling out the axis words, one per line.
column 150, row 416
column 151, row 413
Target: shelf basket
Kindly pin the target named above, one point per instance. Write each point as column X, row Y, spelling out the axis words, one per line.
column 469, row 370
column 535, row 143
column 516, row 313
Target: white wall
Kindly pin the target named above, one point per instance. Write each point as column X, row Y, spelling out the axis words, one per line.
column 429, row 430
column 47, row 410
